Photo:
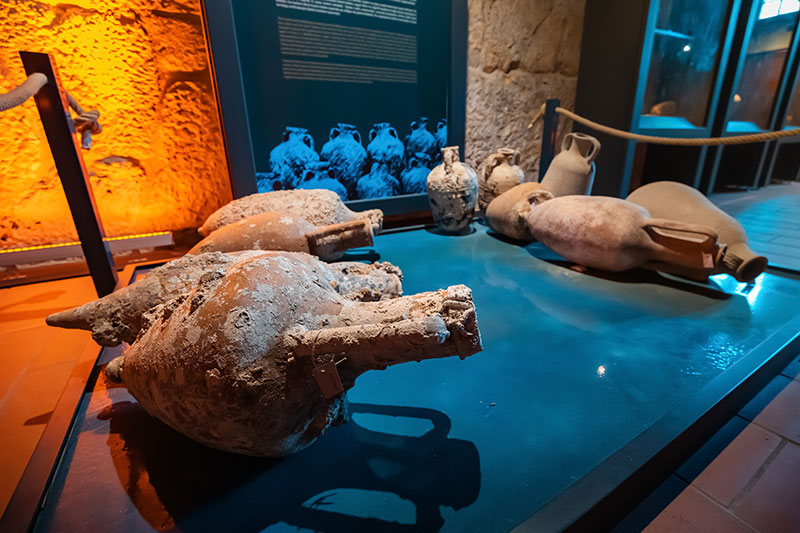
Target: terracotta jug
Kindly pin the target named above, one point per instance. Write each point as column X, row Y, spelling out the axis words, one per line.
column 320, row 207
column 681, row 202
column 499, row 173
column 508, row 213
column 452, row 192
column 572, row 170
column 257, row 361
column 615, row 235
column 117, row 317
column 282, row 231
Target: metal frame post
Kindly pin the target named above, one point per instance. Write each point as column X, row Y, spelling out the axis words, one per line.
column 549, row 135
column 60, row 132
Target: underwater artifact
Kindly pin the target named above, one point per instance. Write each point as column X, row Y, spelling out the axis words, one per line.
column 414, row 179
column 277, row 230
column 317, row 176
column 290, row 158
column 379, row 183
column 452, row 192
column 385, row 147
column 257, row 361
column 507, row 214
column 420, row 139
column 321, row 207
column 345, row 154
column 680, row 202
column 117, row 317
column 615, row 235
column 498, row 174
column 572, row 170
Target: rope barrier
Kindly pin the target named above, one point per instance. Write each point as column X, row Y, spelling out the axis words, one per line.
column 86, row 123
column 706, row 141
column 19, row 95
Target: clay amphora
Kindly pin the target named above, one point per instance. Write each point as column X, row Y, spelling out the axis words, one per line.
column 441, row 136
column 420, row 139
column 386, row 147
column 414, row 179
column 572, row 170
column 379, row 183
column 318, row 176
column 321, row 207
column 681, row 202
column 257, row 361
column 507, row 214
column 290, row 158
column 452, row 192
column 281, row 231
column 498, row 174
column 117, row 317
column 346, row 155
column 615, row 235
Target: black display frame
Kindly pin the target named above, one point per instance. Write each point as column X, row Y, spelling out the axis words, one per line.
column 223, row 58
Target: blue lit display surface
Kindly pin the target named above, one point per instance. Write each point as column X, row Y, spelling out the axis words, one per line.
column 574, row 368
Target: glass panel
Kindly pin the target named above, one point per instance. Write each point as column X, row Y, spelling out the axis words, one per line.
column 683, row 64
column 762, row 71
column 792, row 119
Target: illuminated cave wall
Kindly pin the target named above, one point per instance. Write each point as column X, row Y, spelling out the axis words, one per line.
column 521, row 52
column 159, row 162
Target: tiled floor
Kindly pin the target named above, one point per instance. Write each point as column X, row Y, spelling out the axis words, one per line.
column 747, row 477
column 35, row 363
column 771, row 217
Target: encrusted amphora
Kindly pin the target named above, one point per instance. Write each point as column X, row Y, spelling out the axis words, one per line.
column 572, row 170
column 318, row 176
column 278, row 230
column 676, row 201
column 257, row 361
column 386, row 147
column 452, row 192
column 498, row 174
column 420, row 139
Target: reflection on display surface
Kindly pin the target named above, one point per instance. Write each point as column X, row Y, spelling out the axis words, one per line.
column 761, row 74
column 687, row 42
column 575, row 366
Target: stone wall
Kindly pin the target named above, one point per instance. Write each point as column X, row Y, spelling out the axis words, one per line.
column 521, row 52
column 159, row 163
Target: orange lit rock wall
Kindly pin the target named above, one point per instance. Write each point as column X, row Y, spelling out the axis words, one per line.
column 159, row 163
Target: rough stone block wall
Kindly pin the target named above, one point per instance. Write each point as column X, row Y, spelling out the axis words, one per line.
column 521, row 52
column 159, row 163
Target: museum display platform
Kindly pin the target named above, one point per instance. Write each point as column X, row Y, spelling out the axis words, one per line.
column 590, row 386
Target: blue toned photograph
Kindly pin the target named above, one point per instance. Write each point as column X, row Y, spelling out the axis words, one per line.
column 379, row 165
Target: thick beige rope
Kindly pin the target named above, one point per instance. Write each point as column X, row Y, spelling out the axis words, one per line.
column 85, row 123
column 27, row 88
column 706, row 141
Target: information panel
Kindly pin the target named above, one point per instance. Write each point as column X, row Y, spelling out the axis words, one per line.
column 347, row 95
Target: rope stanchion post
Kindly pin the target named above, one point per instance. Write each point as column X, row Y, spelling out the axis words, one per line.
column 549, row 135
column 59, row 130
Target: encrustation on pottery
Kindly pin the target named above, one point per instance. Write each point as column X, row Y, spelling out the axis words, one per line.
column 452, row 192
column 320, row 207
column 257, row 361
column 117, row 317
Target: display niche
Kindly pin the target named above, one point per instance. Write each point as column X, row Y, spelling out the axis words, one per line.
column 660, row 74
column 759, row 79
